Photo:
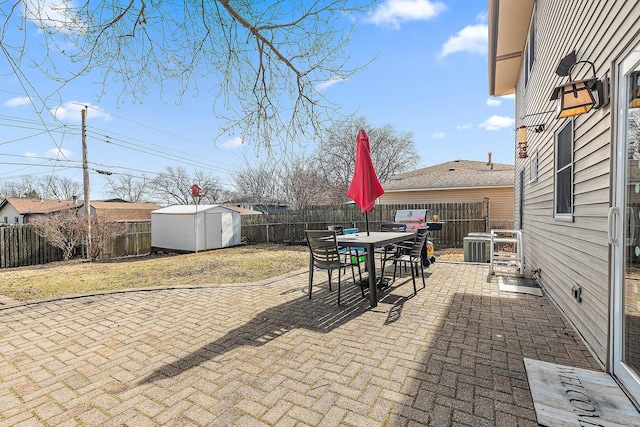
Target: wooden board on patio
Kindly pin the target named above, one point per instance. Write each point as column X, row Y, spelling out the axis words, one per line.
column 568, row 396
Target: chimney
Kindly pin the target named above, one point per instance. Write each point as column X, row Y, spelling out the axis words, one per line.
column 490, row 163
column 75, row 200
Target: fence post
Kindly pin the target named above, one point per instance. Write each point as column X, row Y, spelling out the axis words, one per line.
column 485, row 212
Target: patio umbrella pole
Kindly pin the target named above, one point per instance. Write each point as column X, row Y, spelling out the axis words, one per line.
column 366, row 221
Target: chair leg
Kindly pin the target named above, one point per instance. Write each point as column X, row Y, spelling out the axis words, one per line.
column 423, row 283
column 353, row 275
column 310, row 281
column 395, row 267
column 359, row 269
column 329, row 274
column 339, row 281
column 413, row 278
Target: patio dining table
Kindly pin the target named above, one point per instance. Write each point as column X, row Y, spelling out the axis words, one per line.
column 370, row 242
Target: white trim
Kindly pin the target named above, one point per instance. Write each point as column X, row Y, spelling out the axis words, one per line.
column 533, row 167
column 630, row 61
column 563, row 216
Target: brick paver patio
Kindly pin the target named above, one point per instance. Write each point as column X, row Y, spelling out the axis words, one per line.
column 264, row 354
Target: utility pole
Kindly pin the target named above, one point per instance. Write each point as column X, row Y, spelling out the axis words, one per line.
column 85, row 180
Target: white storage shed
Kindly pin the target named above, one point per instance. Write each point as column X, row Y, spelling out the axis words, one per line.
column 195, row 228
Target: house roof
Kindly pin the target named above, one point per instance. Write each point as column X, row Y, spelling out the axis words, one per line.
column 243, row 211
column 35, row 206
column 508, row 29
column 124, row 211
column 454, row 174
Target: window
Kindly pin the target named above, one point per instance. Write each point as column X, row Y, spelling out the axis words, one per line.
column 6, row 220
column 17, row 220
column 533, row 172
column 530, row 48
column 564, row 172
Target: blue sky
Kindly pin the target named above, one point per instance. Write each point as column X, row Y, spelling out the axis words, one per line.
column 429, row 78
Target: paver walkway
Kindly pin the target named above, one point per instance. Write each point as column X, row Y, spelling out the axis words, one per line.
column 264, row 354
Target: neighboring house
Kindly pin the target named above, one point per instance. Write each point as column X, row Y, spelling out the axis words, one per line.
column 119, row 211
column 251, row 204
column 243, row 211
column 16, row 211
column 577, row 195
column 454, row 182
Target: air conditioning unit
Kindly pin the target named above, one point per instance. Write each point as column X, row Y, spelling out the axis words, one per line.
column 477, row 247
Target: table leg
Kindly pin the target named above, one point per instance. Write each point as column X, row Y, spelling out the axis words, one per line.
column 371, row 266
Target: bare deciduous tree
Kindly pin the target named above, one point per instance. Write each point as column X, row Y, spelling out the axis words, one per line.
column 263, row 60
column 58, row 187
column 302, row 184
column 53, row 187
column 174, row 187
column 24, row 187
column 392, row 152
column 129, row 188
column 257, row 182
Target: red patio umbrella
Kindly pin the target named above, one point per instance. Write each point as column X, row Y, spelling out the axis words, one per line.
column 365, row 187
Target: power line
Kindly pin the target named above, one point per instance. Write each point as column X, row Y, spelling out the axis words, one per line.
column 111, row 137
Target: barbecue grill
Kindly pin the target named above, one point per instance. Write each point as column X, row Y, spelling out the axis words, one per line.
column 417, row 218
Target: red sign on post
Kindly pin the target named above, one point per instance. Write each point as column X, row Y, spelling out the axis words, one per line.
column 195, row 190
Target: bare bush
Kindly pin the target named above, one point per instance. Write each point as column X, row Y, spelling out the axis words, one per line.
column 103, row 233
column 64, row 230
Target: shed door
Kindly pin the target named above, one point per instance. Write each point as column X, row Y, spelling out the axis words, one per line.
column 213, row 229
column 624, row 224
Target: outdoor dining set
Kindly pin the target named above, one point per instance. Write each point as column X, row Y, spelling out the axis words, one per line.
column 337, row 249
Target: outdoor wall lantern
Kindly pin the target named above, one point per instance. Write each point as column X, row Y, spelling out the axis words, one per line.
column 577, row 97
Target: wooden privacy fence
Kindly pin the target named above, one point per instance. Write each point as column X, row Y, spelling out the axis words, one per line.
column 135, row 241
column 459, row 219
column 20, row 245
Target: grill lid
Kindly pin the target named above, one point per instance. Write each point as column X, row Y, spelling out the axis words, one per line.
column 414, row 218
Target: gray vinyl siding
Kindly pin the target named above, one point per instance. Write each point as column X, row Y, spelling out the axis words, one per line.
column 576, row 251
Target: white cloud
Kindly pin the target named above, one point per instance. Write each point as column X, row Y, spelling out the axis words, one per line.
column 60, row 152
column 392, row 13
column 438, row 135
column 17, row 102
column 30, row 154
column 54, row 14
column 232, row 143
column 465, row 126
column 497, row 123
column 328, row 83
column 71, row 111
column 493, row 102
column 471, row 39
column 511, row 97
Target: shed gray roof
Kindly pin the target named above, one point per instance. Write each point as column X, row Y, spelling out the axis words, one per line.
column 454, row 174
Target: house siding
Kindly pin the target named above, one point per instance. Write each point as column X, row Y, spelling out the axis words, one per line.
column 577, row 251
column 501, row 200
column 11, row 213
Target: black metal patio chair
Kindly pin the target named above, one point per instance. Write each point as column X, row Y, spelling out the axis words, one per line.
column 389, row 251
column 412, row 255
column 325, row 255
